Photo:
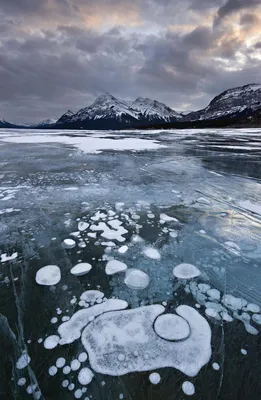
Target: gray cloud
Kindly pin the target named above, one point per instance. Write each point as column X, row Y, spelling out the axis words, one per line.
column 54, row 56
column 232, row 6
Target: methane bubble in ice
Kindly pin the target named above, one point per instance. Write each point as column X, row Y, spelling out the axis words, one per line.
column 186, row 271
column 53, row 370
column 60, row 362
column 91, row 296
column 123, row 249
column 23, row 361
column 82, row 226
column 51, row 342
column 115, row 266
column 48, row 276
column 171, row 327
column 154, row 378
column 75, row 365
column 152, row 253
column 82, row 357
column 71, row 330
column 68, row 244
column 188, row 388
column 216, row 366
column 136, row 279
column 131, row 333
column 85, row 376
column 81, row 269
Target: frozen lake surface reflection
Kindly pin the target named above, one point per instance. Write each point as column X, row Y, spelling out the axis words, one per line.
column 130, row 264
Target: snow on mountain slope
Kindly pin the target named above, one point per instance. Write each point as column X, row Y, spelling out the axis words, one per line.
column 108, row 112
column 153, row 109
column 105, row 106
column 232, row 102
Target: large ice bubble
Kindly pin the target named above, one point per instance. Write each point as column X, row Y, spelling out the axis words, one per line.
column 171, row 327
column 121, row 342
column 48, row 276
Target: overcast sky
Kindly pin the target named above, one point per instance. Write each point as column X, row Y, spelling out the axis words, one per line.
column 61, row 54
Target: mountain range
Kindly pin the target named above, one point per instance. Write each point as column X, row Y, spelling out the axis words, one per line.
column 236, row 106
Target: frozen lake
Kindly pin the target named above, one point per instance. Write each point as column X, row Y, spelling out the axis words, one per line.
column 92, row 228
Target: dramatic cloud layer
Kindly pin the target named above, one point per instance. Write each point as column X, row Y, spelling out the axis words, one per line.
column 61, row 54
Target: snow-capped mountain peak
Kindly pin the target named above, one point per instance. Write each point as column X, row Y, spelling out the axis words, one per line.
column 154, row 109
column 107, row 110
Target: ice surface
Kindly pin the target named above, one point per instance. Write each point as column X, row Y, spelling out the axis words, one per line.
column 5, row 257
column 131, row 333
column 203, row 200
column 115, row 266
column 186, row 271
column 188, row 388
column 48, row 276
column 232, row 245
column 69, row 243
column 71, row 330
column 244, row 352
column 136, row 279
column 171, row 327
column 154, row 378
column 152, row 253
column 85, row 376
column 51, row 342
column 81, row 269
column 23, row 361
column 86, row 144
column 254, row 207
